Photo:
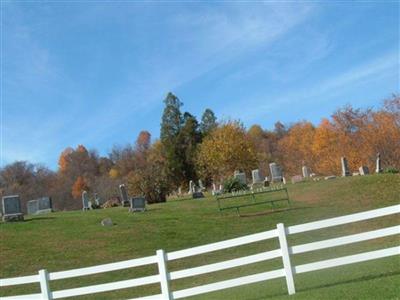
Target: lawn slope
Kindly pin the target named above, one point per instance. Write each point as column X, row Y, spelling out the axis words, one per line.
column 67, row 240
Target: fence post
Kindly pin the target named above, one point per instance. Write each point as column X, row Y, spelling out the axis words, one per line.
column 286, row 258
column 44, row 285
column 164, row 276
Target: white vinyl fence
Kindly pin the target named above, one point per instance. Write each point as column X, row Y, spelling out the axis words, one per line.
column 164, row 277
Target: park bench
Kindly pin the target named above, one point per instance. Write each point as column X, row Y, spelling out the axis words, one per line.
column 251, row 198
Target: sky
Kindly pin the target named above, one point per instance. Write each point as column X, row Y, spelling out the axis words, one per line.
column 96, row 72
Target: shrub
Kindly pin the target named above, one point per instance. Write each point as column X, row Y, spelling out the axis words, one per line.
column 391, row 170
column 233, row 184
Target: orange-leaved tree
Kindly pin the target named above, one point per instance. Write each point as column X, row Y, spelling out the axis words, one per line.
column 79, row 186
column 296, row 148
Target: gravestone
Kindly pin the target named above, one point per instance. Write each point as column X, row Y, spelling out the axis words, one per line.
column 201, row 186
column 378, row 168
column 240, row 176
column 97, row 200
column 32, row 206
column 197, row 195
column 330, row 177
column 297, row 179
column 284, row 180
column 306, row 171
column 137, row 204
column 124, row 195
column 42, row 205
column 345, row 167
column 11, row 207
column 85, row 201
column 256, row 176
column 276, row 172
column 191, row 187
column 45, row 205
column 363, row 170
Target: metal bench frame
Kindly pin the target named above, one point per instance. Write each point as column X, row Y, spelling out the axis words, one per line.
column 253, row 195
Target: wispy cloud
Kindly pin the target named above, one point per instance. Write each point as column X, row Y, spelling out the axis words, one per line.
column 370, row 70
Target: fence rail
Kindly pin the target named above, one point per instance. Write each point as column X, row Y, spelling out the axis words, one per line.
column 164, row 277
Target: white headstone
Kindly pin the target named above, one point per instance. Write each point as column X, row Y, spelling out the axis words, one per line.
column 306, row 171
column 363, row 170
column 345, row 167
column 378, row 168
column 191, row 187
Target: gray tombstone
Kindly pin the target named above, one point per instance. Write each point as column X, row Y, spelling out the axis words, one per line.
column 124, row 195
column 240, row 176
column 32, row 207
column 255, row 175
column 42, row 205
column 45, row 205
column 11, row 206
column 276, row 172
column 137, row 204
column 197, row 195
column 306, row 171
column 345, row 167
column 85, row 201
column 378, row 168
column 363, row 170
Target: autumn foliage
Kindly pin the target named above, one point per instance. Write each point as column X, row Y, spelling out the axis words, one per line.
column 226, row 149
column 79, row 186
column 212, row 151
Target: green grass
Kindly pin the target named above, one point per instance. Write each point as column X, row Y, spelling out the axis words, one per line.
column 67, row 240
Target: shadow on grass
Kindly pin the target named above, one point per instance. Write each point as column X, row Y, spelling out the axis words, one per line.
column 355, row 280
column 272, row 211
column 329, row 285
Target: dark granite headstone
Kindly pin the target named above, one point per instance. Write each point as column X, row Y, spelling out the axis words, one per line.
column 137, row 204
column 197, row 195
column 11, row 206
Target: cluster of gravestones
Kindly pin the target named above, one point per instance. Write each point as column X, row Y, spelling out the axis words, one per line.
column 363, row 170
column 134, row 203
column 196, row 190
column 87, row 204
column 11, row 209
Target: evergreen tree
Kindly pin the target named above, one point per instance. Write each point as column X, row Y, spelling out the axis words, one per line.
column 189, row 138
column 208, row 122
column 171, row 124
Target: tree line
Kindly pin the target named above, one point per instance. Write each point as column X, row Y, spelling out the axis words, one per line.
column 211, row 150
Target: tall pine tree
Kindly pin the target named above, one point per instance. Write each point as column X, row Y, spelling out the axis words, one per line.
column 208, row 122
column 171, row 124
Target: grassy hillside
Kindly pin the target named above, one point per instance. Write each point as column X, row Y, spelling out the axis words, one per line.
column 66, row 240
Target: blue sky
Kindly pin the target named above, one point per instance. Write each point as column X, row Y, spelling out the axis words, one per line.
column 95, row 73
